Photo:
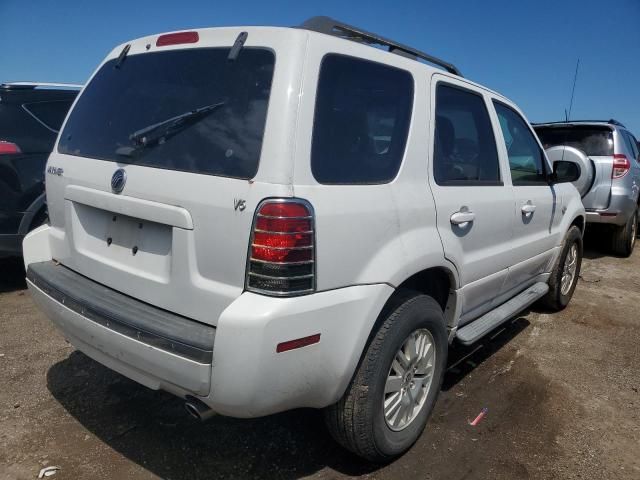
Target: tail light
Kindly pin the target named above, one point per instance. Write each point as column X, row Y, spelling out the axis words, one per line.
column 282, row 249
column 9, row 147
column 621, row 165
column 177, row 38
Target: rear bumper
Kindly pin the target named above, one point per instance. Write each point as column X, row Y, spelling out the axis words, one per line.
column 246, row 377
column 250, row 379
column 154, row 347
column 621, row 207
column 10, row 234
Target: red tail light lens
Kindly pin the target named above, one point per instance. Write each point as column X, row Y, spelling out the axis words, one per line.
column 621, row 166
column 177, row 38
column 282, row 251
column 9, row 147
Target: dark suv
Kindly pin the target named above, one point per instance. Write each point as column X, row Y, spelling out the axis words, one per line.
column 30, row 116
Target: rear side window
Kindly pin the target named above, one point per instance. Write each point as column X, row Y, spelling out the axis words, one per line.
column 362, row 116
column 191, row 110
column 526, row 161
column 592, row 140
column 465, row 147
column 49, row 114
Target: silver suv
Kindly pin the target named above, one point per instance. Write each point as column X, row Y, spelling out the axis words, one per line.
column 611, row 177
column 258, row 219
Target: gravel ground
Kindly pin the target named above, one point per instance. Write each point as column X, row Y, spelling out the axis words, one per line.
column 561, row 392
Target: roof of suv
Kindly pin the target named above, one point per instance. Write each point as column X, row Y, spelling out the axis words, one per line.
column 39, row 85
column 611, row 123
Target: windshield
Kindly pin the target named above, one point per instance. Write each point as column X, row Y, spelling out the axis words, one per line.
column 592, row 140
column 151, row 88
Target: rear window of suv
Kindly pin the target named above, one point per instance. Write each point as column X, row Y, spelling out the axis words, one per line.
column 363, row 111
column 592, row 140
column 191, row 110
column 49, row 114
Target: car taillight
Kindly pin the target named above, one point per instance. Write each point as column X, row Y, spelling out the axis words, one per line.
column 621, row 166
column 9, row 147
column 282, row 250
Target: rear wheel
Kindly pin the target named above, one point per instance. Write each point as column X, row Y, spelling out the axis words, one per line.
column 564, row 276
column 392, row 394
column 623, row 239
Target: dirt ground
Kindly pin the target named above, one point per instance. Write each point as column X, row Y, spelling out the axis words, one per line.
column 561, row 392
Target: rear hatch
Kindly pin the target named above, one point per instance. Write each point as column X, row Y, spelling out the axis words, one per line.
column 596, row 142
column 154, row 169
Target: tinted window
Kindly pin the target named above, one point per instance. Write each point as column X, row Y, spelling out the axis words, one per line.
column 51, row 114
column 526, row 160
column 17, row 126
column 362, row 116
column 142, row 112
column 465, row 147
column 592, row 140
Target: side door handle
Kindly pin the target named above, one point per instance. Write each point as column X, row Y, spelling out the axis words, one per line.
column 528, row 208
column 462, row 217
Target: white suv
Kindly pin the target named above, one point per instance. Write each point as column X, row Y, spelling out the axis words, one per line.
column 258, row 219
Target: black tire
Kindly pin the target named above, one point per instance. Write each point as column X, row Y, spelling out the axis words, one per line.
column 555, row 299
column 357, row 421
column 623, row 238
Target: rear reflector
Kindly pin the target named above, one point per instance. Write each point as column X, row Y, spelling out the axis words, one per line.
column 282, row 250
column 298, row 343
column 621, row 165
column 9, row 147
column 177, row 38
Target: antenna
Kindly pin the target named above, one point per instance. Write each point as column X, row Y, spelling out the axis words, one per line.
column 573, row 90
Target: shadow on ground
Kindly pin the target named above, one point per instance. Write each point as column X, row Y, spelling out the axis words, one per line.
column 151, row 428
column 597, row 243
column 11, row 275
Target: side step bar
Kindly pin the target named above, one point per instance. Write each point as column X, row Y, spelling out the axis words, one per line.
column 478, row 328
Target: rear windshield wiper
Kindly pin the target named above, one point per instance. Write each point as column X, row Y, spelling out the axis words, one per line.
column 160, row 132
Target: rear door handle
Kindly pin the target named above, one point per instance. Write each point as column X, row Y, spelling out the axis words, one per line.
column 463, row 216
column 528, row 208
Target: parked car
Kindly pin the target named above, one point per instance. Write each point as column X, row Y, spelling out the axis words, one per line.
column 256, row 235
column 611, row 185
column 30, row 117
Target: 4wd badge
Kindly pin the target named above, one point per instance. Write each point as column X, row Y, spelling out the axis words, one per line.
column 55, row 170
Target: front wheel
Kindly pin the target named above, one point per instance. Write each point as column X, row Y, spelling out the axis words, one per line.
column 564, row 276
column 394, row 389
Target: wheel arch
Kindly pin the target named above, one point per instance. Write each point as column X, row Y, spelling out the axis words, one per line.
column 579, row 222
column 439, row 282
column 38, row 206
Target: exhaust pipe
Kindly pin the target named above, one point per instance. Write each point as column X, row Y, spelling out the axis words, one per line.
column 198, row 409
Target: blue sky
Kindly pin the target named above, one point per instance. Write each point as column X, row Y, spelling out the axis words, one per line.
column 526, row 50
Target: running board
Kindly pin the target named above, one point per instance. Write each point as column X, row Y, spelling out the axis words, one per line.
column 478, row 328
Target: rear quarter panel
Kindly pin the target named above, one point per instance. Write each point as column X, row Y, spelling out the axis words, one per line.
column 370, row 233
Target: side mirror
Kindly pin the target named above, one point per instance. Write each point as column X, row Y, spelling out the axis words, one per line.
column 565, row 171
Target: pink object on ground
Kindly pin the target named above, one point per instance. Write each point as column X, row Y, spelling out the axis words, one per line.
column 480, row 416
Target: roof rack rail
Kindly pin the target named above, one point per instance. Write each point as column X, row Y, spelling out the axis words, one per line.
column 33, row 85
column 329, row 26
column 611, row 121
